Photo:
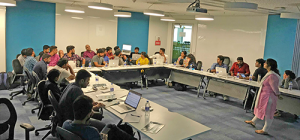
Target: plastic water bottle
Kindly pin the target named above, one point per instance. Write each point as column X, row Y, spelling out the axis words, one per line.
column 97, row 79
column 106, row 64
column 191, row 67
column 290, row 86
column 90, row 65
column 166, row 61
column 174, row 63
column 238, row 75
column 125, row 64
column 201, row 68
column 154, row 61
column 139, row 62
column 112, row 89
column 250, row 78
column 147, row 109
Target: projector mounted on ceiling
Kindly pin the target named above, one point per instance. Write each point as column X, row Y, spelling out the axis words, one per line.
column 195, row 7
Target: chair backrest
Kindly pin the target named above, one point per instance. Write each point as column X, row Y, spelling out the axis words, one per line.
column 298, row 80
column 64, row 134
column 57, row 111
column 36, row 77
column 41, row 91
column 82, row 54
column 18, row 69
column 8, row 112
column 199, row 65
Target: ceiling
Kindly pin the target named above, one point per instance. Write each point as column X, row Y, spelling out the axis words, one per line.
column 177, row 8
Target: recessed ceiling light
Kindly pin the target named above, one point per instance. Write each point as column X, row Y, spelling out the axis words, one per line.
column 290, row 15
column 100, row 6
column 8, row 3
column 204, row 17
column 122, row 14
column 167, row 19
column 77, row 17
column 74, row 9
column 154, row 13
column 240, row 6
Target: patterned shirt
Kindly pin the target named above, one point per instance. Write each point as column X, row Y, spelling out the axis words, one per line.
column 89, row 54
column 29, row 63
column 74, row 57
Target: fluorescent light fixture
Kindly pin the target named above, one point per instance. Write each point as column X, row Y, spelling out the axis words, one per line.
column 290, row 15
column 204, row 17
column 100, row 6
column 122, row 14
column 167, row 19
column 77, row 17
column 240, row 6
column 8, row 3
column 74, row 9
column 154, row 13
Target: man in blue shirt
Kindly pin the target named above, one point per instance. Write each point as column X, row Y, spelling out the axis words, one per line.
column 219, row 63
column 40, row 68
column 30, row 60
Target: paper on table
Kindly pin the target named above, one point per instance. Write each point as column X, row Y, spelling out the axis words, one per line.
column 130, row 117
column 153, row 127
column 88, row 89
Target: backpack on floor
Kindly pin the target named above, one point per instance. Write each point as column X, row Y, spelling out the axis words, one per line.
column 5, row 80
column 179, row 87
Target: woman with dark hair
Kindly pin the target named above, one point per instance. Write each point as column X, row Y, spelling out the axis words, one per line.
column 181, row 58
column 288, row 77
column 191, row 61
column 144, row 59
column 266, row 101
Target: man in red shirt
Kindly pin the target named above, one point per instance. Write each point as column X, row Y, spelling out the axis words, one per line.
column 109, row 53
column 240, row 67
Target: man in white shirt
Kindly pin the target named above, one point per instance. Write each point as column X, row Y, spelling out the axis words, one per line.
column 22, row 57
column 63, row 67
column 161, row 55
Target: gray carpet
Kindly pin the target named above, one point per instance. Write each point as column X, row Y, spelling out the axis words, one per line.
column 226, row 118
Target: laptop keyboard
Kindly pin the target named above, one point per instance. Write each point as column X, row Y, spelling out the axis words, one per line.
column 125, row 107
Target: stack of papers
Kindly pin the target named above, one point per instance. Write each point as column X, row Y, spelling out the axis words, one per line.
column 153, row 127
column 133, row 118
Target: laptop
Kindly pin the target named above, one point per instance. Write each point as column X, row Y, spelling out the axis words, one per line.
column 158, row 61
column 221, row 71
column 126, row 49
column 131, row 103
column 113, row 63
column 135, row 56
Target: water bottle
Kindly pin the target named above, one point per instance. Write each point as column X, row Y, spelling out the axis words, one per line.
column 238, row 75
column 174, row 63
column 201, row 68
column 90, row 65
column 191, row 67
column 147, row 109
column 290, row 85
column 139, row 62
column 250, row 78
column 154, row 61
column 106, row 64
column 125, row 64
column 166, row 61
column 112, row 89
column 97, row 79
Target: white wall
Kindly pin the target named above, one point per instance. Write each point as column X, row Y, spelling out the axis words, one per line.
column 231, row 36
column 97, row 28
column 2, row 40
column 157, row 28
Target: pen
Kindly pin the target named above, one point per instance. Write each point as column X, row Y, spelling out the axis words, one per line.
column 135, row 115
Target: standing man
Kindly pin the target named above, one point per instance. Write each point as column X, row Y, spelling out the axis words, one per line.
column 54, row 56
column 240, row 67
column 161, row 55
column 88, row 53
column 22, row 57
column 219, row 63
column 98, row 60
column 40, row 68
column 30, row 60
column 109, row 53
column 71, row 56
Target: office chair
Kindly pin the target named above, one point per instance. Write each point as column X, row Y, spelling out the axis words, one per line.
column 9, row 111
column 227, row 62
column 199, row 65
column 18, row 78
column 82, row 54
column 36, row 95
column 64, row 134
column 56, row 119
column 31, row 86
column 298, row 81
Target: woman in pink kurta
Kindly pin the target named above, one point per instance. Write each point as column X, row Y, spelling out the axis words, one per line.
column 266, row 101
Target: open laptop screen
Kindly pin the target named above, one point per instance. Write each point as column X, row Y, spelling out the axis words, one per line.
column 133, row 99
column 126, row 47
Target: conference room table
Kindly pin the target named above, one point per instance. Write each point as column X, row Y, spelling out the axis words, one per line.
column 176, row 126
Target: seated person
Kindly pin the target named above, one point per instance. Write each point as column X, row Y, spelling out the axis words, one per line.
column 144, row 59
column 259, row 71
column 45, row 50
column 71, row 56
column 22, row 57
column 219, row 63
column 124, row 57
column 240, row 67
column 106, row 59
column 98, row 60
column 160, row 55
column 88, row 53
column 30, row 60
column 54, row 56
column 191, row 61
column 64, row 67
column 118, row 54
column 51, row 84
column 71, row 92
column 288, row 77
column 136, row 51
column 109, row 53
column 61, row 53
column 181, row 58
column 40, row 68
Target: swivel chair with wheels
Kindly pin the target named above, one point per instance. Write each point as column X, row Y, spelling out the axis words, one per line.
column 18, row 78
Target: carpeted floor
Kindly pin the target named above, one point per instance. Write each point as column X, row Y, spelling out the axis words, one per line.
column 226, row 118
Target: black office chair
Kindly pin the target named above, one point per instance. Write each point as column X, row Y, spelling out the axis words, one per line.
column 31, row 86
column 8, row 112
column 56, row 119
column 199, row 65
column 227, row 62
column 82, row 54
column 18, row 78
column 64, row 134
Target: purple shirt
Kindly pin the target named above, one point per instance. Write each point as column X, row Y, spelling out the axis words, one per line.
column 54, row 60
column 89, row 54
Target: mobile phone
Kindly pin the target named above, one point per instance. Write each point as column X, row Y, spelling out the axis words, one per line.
column 243, row 75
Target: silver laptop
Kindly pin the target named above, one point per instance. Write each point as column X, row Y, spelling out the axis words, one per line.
column 126, row 49
column 221, row 71
column 131, row 103
column 113, row 63
column 135, row 56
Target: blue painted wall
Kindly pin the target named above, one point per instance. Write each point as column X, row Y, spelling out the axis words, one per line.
column 134, row 31
column 280, row 41
column 29, row 24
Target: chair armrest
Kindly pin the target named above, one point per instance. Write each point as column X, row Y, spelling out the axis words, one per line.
column 27, row 127
column 20, row 74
